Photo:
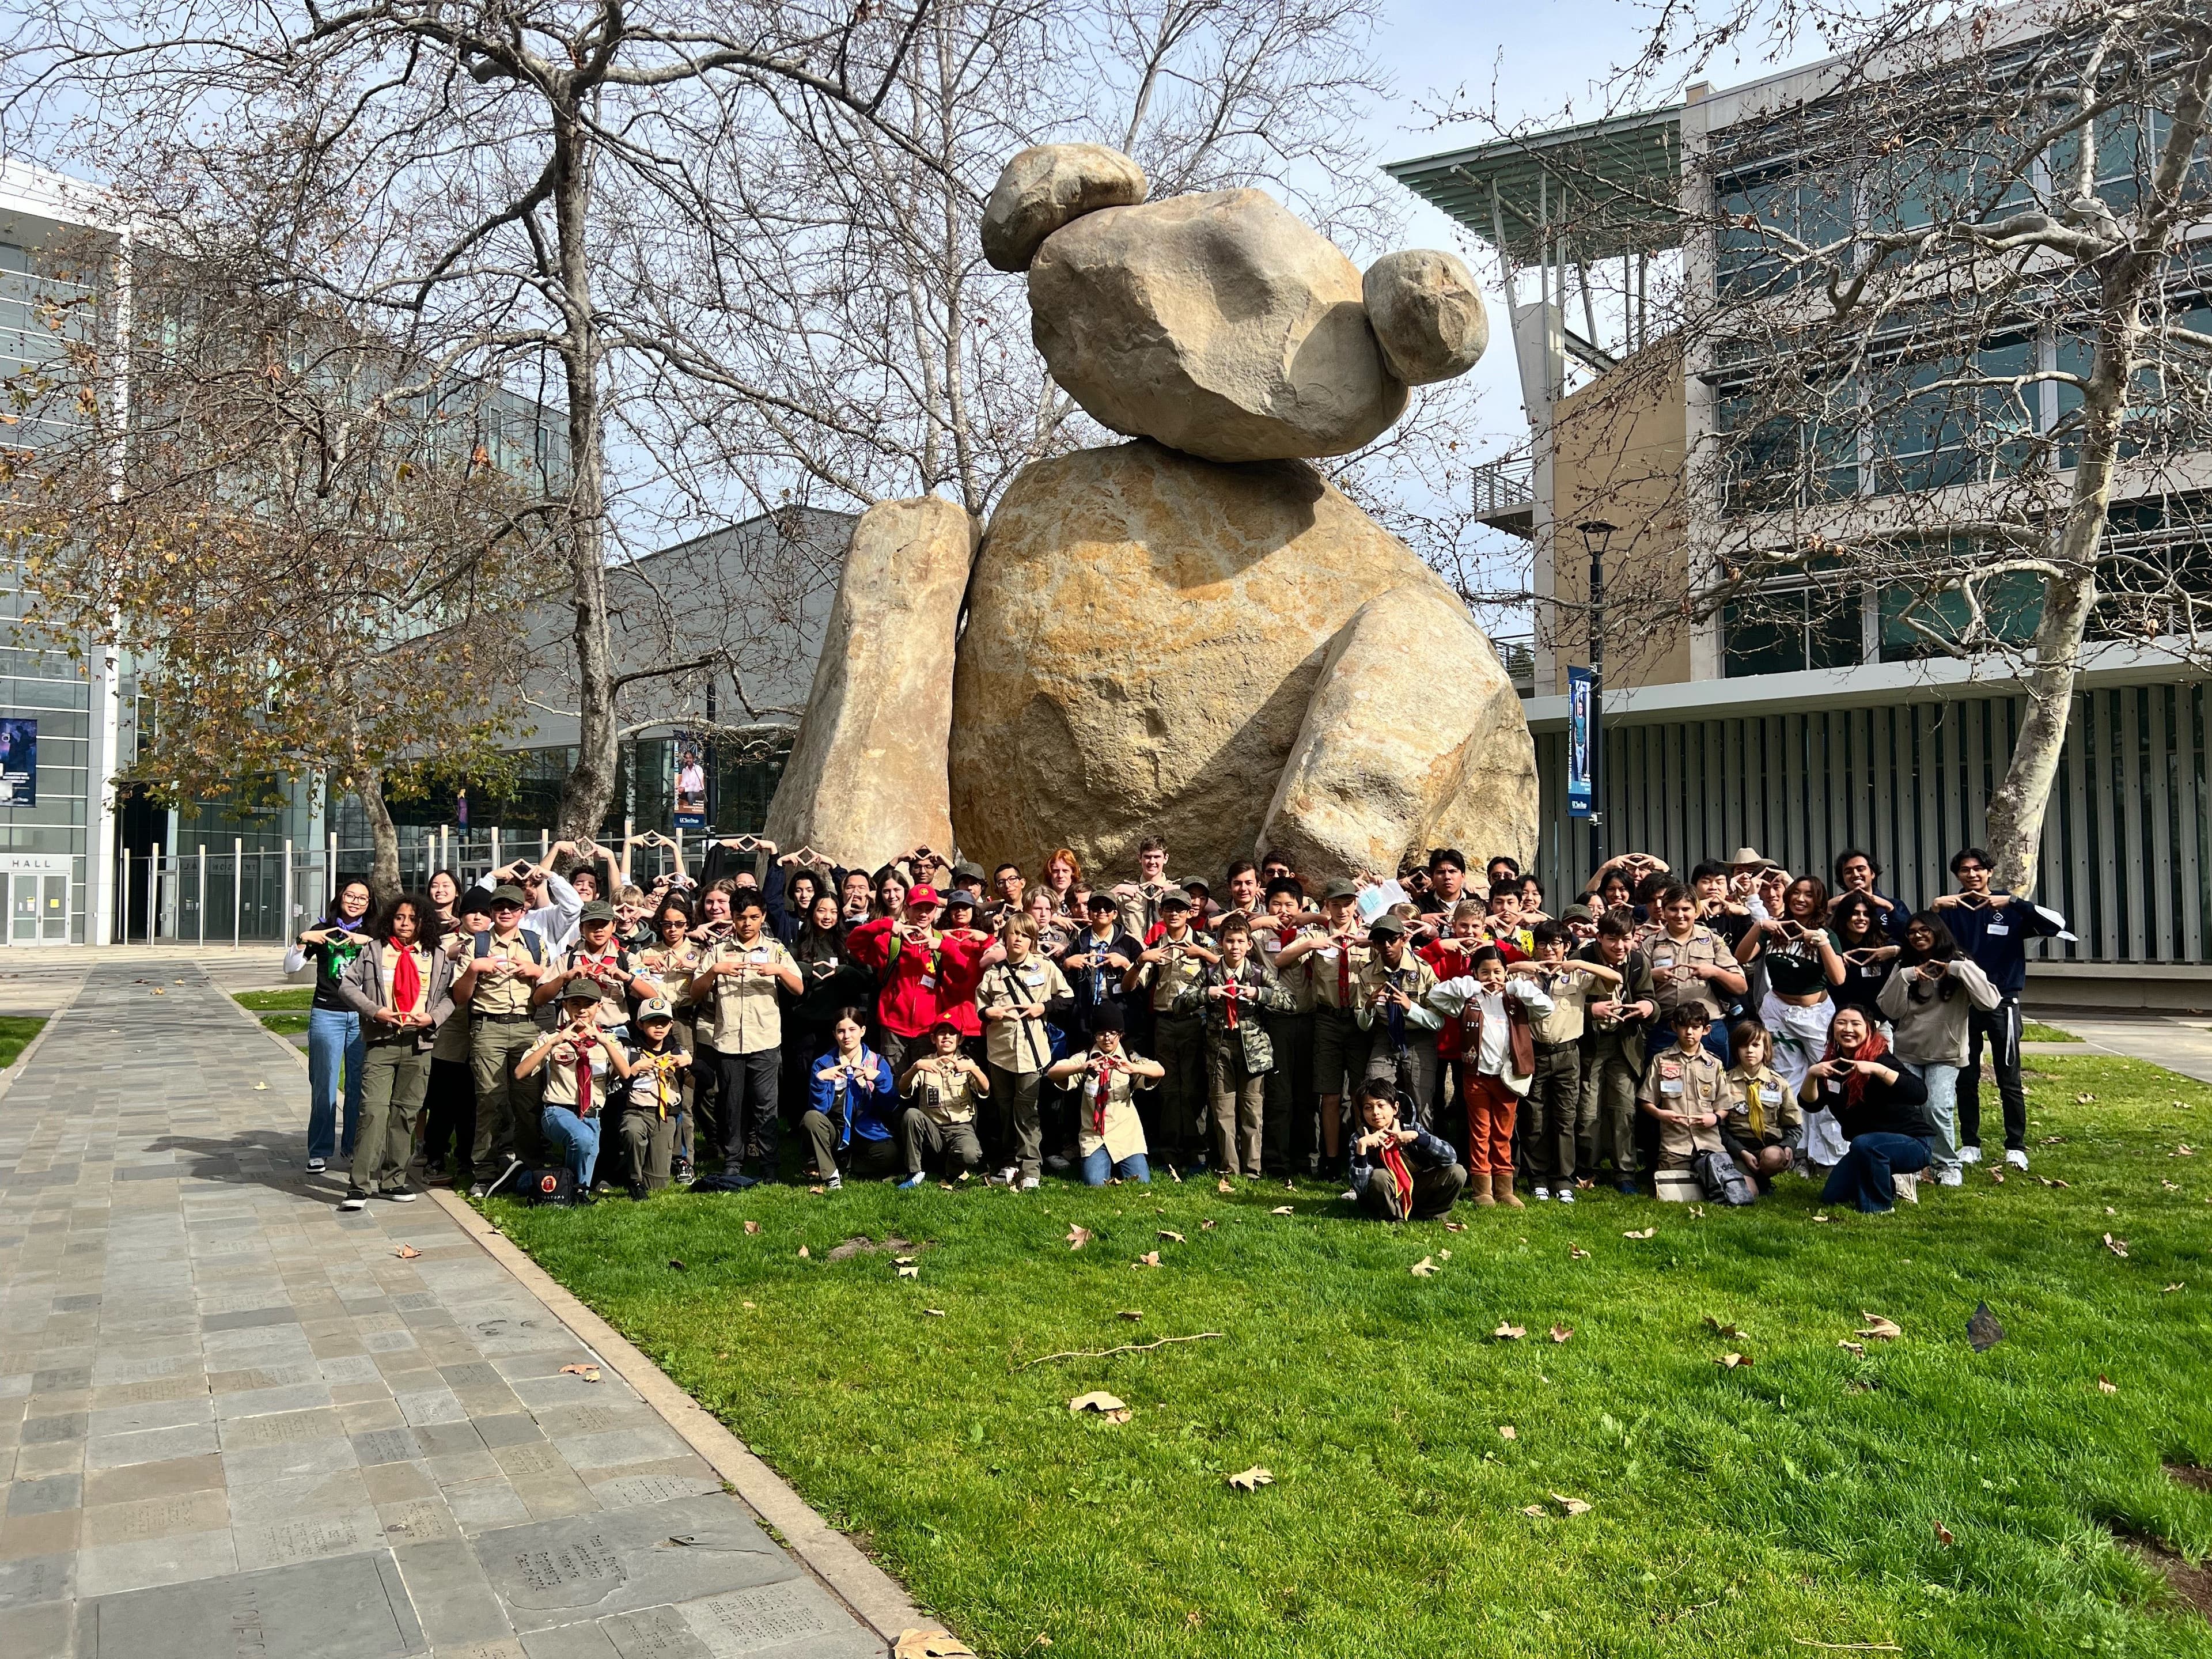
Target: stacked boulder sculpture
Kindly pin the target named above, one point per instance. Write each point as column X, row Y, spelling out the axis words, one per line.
column 1191, row 634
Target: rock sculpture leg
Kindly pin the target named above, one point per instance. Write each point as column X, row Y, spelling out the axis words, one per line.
column 867, row 776
column 1413, row 739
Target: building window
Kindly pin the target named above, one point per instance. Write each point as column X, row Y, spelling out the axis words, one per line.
column 1790, row 629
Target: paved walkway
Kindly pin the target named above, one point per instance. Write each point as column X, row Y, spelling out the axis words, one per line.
column 235, row 1421
column 2180, row 1042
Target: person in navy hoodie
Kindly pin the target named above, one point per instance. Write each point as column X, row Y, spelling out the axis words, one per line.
column 1993, row 927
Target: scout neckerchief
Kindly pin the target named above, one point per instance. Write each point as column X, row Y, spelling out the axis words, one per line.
column 1231, row 990
column 1393, row 1163
column 1393, row 1016
column 583, row 1046
column 662, row 1063
column 406, row 978
column 596, row 967
column 1102, row 1093
column 1343, row 971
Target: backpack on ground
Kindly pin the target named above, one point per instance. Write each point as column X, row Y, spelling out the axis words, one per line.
column 1723, row 1181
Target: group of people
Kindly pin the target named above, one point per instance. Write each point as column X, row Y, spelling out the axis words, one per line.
column 1429, row 1038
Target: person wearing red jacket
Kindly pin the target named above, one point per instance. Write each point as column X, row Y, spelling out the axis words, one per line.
column 921, row 975
column 1447, row 958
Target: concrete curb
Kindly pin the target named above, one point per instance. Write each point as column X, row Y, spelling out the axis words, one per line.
column 20, row 1063
column 875, row 1597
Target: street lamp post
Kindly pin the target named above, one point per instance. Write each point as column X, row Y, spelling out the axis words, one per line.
column 1597, row 536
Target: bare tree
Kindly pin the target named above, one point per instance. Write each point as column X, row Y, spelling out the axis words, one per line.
column 1942, row 310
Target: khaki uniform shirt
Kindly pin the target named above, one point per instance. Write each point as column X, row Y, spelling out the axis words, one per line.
column 1335, row 973
column 673, row 971
column 1761, row 1105
column 656, row 1087
column 1267, row 942
column 1673, row 982
column 503, row 993
column 1415, row 978
column 1019, row 1046
column 741, row 1009
column 1694, row 1085
column 610, row 969
column 1571, row 992
column 1165, row 979
column 1115, row 1125
column 1140, row 912
column 944, row 1097
column 559, row 1071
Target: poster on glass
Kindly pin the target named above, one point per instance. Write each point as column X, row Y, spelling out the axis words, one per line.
column 19, row 763
column 688, row 787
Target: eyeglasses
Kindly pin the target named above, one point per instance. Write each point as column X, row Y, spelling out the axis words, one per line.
column 1973, row 870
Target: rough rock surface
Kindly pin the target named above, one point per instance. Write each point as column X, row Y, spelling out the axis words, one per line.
column 867, row 773
column 1220, row 324
column 1146, row 633
column 1426, row 314
column 1044, row 187
column 1414, row 739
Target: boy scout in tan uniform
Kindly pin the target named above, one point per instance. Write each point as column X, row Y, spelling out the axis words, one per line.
column 1169, row 965
column 599, row 960
column 498, row 981
column 1333, row 955
column 653, row 1101
column 1686, row 1091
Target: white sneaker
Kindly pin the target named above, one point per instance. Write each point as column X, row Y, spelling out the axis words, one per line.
column 1543, row 1194
column 1007, row 1176
column 2017, row 1158
column 316, row 1165
column 1566, row 1195
column 1029, row 1183
column 1970, row 1155
column 834, row 1182
column 1950, row 1177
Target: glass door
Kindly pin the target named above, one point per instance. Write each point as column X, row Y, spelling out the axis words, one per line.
column 53, row 909
column 23, row 910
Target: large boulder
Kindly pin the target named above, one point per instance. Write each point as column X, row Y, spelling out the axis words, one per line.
column 867, row 776
column 1220, row 324
column 1147, row 635
column 1044, row 187
column 1426, row 314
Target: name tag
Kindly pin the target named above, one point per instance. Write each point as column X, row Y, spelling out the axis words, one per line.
column 1670, row 1086
column 1997, row 930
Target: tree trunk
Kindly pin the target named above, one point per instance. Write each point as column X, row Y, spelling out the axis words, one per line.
column 590, row 787
column 383, row 836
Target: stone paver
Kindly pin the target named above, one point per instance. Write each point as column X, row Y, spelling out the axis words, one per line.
column 233, row 1418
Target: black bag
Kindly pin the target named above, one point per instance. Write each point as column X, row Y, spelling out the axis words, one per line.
column 1723, row 1180
column 546, row 1186
column 722, row 1181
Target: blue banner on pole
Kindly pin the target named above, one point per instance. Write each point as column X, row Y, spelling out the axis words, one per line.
column 1579, row 743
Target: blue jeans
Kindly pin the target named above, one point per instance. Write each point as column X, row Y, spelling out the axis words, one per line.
column 1942, row 1084
column 1865, row 1177
column 1099, row 1165
column 333, row 1038
column 576, row 1138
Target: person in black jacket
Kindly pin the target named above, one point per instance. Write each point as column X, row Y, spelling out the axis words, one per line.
column 830, row 980
column 1880, row 1111
column 1994, row 926
column 1401, row 1174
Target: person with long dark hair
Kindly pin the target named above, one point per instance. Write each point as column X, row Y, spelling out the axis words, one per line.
column 830, row 980
column 1792, row 942
column 852, row 1099
column 1861, row 939
column 401, row 987
column 1931, row 1002
column 1879, row 1108
column 449, row 1128
column 334, row 1050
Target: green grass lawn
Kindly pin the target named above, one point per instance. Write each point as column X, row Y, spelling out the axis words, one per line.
column 1918, row 1497
column 2035, row 1030
column 15, row 1034
column 284, row 1011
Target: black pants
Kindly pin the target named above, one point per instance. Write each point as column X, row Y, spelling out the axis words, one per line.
column 1547, row 1124
column 1435, row 1191
column 750, row 1128
column 1999, row 1028
column 802, row 1046
column 1293, row 1126
column 449, row 1123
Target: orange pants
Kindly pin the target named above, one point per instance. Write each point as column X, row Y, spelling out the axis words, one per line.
column 1490, row 1109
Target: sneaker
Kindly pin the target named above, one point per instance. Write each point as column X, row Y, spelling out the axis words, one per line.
column 1566, row 1194
column 637, row 1192
column 680, row 1172
column 2016, row 1157
column 1970, row 1155
column 833, row 1182
column 402, row 1194
column 1058, row 1165
column 1007, row 1176
column 1625, row 1187
column 355, row 1199
column 586, row 1195
column 317, row 1165
column 477, row 1189
column 912, row 1181
column 1950, row 1177
column 1543, row 1194
column 1029, row 1183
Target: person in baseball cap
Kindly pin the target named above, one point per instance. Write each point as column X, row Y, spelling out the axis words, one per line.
column 924, row 898
column 645, row 1129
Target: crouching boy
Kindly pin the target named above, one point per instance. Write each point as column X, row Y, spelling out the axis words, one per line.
column 645, row 1133
column 1762, row 1125
column 945, row 1086
column 1401, row 1174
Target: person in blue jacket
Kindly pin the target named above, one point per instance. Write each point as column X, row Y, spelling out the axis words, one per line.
column 1401, row 1174
column 850, row 1100
column 1993, row 927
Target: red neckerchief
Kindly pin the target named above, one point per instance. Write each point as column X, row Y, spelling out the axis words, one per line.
column 583, row 1046
column 1230, row 990
column 1101, row 1095
column 1343, row 976
column 1394, row 1164
column 591, row 964
column 406, row 978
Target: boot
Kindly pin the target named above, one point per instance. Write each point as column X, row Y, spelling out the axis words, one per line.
column 1478, row 1190
column 1501, row 1186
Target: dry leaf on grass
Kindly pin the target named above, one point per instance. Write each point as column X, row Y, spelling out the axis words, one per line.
column 1649, row 1232
column 1819, row 1217
column 934, row 1313
column 1726, row 1332
column 2084, row 1100
column 1205, row 1226
column 1444, row 1255
column 2185, row 1151
column 1132, row 1315
column 1078, row 1237
column 931, row 1645
column 1858, row 1350
column 589, row 1373
column 1102, row 1403
column 2051, row 1181
column 2117, row 1245
column 1879, row 1328
column 1281, row 1209
column 1224, row 1185
column 1506, row 1431
column 818, row 1192
column 1728, row 1362
column 1455, row 1226
column 1575, row 1252
column 2104, row 1385
column 407, row 1252
column 751, row 1227
column 1562, row 1333
column 1535, row 1511
column 1983, row 1331
column 1150, row 1259
column 1424, row 1268
column 749, row 1304
column 2170, row 1290
column 805, row 1255
column 909, row 1271
column 1172, row 1238
column 1943, row 1534
column 1998, row 1175
column 1510, row 1333
column 1571, row 1505
column 1252, row 1479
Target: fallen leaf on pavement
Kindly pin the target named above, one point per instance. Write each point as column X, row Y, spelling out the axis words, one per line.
column 1943, row 1534
column 1510, row 1333
column 1561, row 1333
column 1172, row 1238
column 260, row 1086
column 1881, row 1329
column 589, row 1373
column 2106, row 1387
column 2117, row 1245
column 1983, row 1331
column 931, row 1645
column 1571, row 1505
column 1150, row 1259
column 1506, row 1431
column 752, row 1227
column 1105, row 1405
column 1252, row 1479
column 1424, row 1268
column 407, row 1252
column 1649, row 1232
column 1078, row 1237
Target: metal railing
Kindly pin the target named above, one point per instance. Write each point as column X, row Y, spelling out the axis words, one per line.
column 1507, row 485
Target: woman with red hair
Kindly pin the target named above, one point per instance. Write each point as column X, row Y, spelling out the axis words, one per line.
column 1880, row 1111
